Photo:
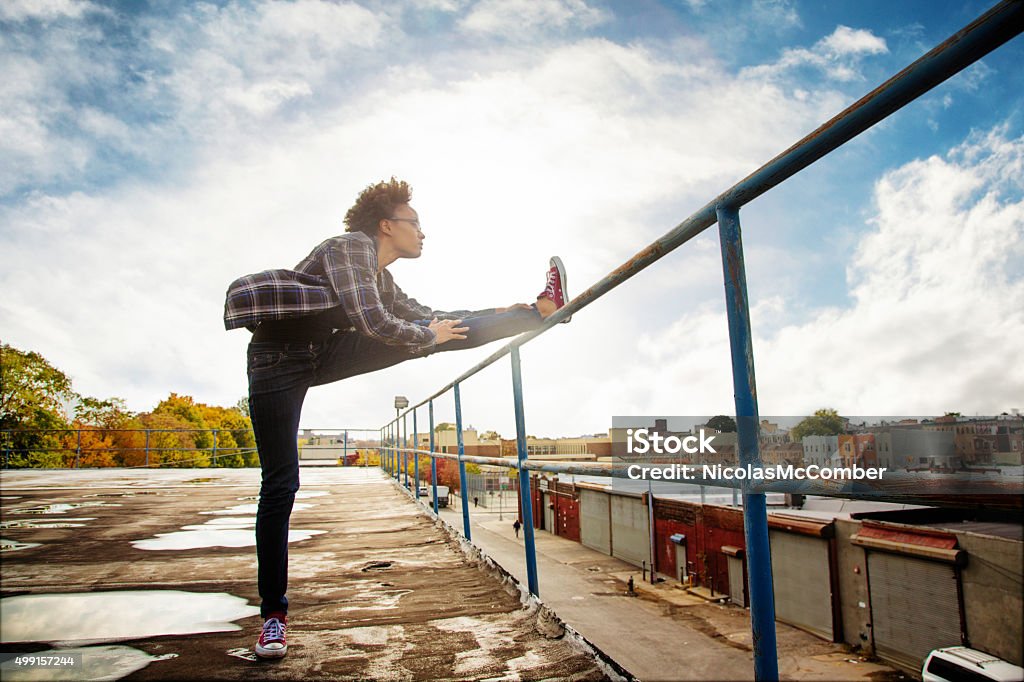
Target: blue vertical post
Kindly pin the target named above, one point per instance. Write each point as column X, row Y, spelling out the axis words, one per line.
column 525, row 497
column 405, row 452
column 755, row 516
column 433, row 460
column 462, row 464
column 344, row 450
column 416, row 457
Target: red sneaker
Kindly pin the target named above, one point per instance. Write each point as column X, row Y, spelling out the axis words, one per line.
column 554, row 290
column 271, row 643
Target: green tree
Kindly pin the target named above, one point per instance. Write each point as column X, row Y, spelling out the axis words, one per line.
column 824, row 422
column 111, row 413
column 723, row 424
column 33, row 396
column 29, row 386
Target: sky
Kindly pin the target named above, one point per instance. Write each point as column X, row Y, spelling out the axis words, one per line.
column 150, row 153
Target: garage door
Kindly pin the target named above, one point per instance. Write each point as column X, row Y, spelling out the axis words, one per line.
column 630, row 538
column 800, row 572
column 914, row 607
column 594, row 521
column 549, row 513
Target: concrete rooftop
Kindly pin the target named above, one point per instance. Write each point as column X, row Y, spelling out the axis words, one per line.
column 378, row 589
column 380, row 593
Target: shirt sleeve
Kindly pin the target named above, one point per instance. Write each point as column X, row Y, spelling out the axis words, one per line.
column 350, row 265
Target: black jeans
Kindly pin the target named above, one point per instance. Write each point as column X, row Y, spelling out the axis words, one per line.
column 279, row 376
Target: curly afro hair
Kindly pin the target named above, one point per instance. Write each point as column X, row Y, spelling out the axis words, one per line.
column 377, row 203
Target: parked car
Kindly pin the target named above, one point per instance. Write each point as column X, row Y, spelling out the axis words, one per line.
column 961, row 664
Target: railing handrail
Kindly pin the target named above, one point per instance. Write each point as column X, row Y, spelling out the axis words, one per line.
column 995, row 27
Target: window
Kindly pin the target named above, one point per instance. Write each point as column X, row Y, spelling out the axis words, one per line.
column 953, row 672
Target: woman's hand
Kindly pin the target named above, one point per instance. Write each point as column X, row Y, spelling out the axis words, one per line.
column 446, row 330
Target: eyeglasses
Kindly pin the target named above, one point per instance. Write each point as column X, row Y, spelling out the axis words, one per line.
column 412, row 221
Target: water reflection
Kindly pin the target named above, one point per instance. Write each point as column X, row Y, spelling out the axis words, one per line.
column 60, row 508
column 220, row 532
column 34, row 523
column 86, row 616
column 14, row 545
column 252, row 508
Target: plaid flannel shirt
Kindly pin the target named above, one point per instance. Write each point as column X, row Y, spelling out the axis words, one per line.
column 342, row 271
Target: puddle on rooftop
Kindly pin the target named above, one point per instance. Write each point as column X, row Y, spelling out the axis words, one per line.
column 252, row 508
column 127, row 493
column 61, row 508
column 146, row 613
column 219, row 532
column 13, row 545
column 301, row 495
column 94, row 663
column 39, row 523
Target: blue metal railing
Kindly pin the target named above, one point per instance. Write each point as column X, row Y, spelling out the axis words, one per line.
column 994, row 28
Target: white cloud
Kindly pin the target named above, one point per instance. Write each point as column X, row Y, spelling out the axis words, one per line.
column 238, row 60
column 526, row 17
column 585, row 148
column 439, row 5
column 588, row 149
column 846, row 41
column 43, row 10
column 937, row 313
column 837, row 55
column 775, row 14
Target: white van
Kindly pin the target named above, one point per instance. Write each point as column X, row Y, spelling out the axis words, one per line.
column 960, row 664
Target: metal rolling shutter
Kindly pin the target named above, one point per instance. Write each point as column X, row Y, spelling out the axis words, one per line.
column 736, row 594
column 800, row 572
column 594, row 521
column 914, row 607
column 630, row 539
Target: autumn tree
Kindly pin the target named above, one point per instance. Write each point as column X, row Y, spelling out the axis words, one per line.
column 94, row 440
column 233, row 436
column 36, row 431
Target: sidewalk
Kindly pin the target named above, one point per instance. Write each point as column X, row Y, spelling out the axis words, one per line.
column 664, row 633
